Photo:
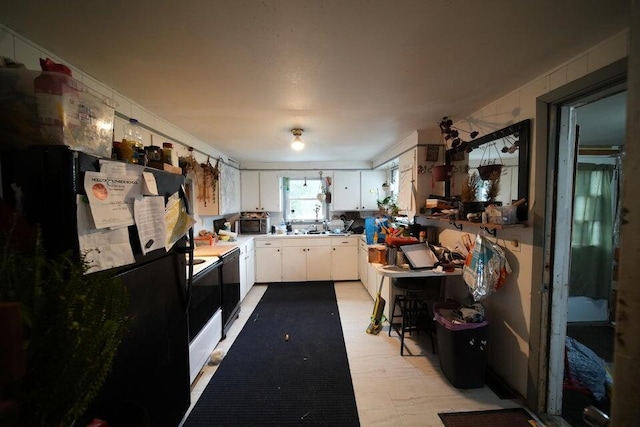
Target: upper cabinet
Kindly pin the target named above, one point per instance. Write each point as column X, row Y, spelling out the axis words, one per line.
column 346, row 191
column 357, row 190
column 261, row 191
column 371, row 188
column 414, row 187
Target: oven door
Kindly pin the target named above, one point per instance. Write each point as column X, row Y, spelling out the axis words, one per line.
column 206, row 298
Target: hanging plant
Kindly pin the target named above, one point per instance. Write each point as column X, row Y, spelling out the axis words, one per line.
column 451, row 133
column 489, row 166
column 210, row 175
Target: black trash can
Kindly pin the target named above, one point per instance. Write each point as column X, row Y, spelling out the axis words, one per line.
column 462, row 348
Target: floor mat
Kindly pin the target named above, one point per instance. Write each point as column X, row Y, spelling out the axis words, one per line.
column 288, row 366
column 515, row 417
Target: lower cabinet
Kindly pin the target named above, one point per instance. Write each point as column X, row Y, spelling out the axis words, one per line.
column 344, row 258
column 300, row 259
column 306, row 260
column 268, row 260
column 247, row 267
column 363, row 261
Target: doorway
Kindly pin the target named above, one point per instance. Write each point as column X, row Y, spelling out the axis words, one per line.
column 583, row 223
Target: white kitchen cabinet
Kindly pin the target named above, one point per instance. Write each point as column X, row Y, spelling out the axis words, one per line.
column 268, row 260
column 363, row 261
column 346, row 191
column 261, row 191
column 357, row 190
column 247, row 267
column 414, row 187
column 344, row 258
column 306, row 259
column 371, row 189
column 249, row 191
column 251, row 266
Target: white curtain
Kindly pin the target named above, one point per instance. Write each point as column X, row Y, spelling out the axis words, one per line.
column 592, row 233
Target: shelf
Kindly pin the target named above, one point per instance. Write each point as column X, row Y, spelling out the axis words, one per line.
column 488, row 227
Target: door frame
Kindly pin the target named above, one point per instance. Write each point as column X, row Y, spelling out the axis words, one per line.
column 549, row 302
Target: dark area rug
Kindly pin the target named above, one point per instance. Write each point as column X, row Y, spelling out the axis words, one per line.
column 288, row 366
column 515, row 417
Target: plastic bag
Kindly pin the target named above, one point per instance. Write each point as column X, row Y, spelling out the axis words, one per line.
column 485, row 269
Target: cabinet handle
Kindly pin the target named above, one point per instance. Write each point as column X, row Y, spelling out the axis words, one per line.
column 278, row 250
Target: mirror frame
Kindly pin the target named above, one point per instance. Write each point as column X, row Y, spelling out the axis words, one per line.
column 523, row 129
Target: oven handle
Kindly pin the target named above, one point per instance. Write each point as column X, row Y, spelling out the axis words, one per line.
column 189, row 250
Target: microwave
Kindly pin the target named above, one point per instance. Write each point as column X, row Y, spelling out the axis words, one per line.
column 254, row 226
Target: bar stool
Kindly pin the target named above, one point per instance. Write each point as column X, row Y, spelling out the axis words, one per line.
column 414, row 307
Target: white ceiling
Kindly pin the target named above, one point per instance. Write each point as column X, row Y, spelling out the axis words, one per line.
column 358, row 76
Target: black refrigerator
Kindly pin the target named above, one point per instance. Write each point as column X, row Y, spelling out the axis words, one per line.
column 149, row 382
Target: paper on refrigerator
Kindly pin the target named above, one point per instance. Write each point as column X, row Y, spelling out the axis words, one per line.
column 149, row 215
column 177, row 220
column 101, row 248
column 111, row 198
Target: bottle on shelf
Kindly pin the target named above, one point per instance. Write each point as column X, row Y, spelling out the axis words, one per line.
column 133, row 138
column 167, row 152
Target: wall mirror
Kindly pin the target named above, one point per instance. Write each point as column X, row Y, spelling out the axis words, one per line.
column 508, row 147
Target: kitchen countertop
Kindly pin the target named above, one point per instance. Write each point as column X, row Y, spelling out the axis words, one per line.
column 301, row 235
column 212, row 253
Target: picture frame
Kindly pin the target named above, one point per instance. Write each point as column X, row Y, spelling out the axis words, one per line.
column 433, row 152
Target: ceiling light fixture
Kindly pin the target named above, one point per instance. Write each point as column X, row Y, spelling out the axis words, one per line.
column 297, row 143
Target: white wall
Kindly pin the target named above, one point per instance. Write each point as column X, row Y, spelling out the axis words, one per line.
column 510, row 308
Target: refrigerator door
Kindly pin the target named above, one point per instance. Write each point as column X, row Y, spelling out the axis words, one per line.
column 51, row 177
column 149, row 382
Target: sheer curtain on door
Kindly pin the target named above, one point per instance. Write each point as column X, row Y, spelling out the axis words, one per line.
column 592, row 233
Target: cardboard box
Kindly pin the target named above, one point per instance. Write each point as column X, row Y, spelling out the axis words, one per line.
column 378, row 254
column 165, row 167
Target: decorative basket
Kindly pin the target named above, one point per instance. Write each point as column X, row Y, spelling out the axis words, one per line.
column 442, row 172
column 485, row 171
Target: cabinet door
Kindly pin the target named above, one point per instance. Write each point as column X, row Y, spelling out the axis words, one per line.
column 371, row 189
column 244, row 285
column 251, row 268
column 319, row 263
column 270, row 192
column 407, row 184
column 344, row 262
column 346, row 191
column 268, row 265
column 294, row 264
column 250, row 191
column 363, row 262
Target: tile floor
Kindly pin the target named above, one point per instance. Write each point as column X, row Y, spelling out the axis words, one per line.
column 390, row 390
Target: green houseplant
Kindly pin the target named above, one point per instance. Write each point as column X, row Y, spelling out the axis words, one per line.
column 72, row 324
